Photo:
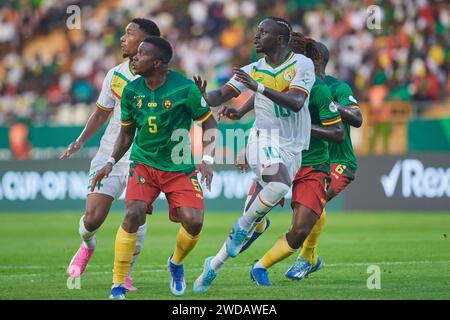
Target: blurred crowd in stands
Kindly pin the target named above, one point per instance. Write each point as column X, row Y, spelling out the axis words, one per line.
column 50, row 74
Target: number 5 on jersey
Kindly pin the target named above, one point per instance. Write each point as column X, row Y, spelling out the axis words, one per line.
column 152, row 127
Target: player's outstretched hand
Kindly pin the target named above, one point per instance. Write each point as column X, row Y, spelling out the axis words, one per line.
column 244, row 78
column 241, row 161
column 102, row 173
column 71, row 149
column 230, row 113
column 207, row 172
column 201, row 84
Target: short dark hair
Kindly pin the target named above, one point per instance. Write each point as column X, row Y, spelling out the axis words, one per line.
column 148, row 26
column 163, row 46
column 285, row 26
column 323, row 52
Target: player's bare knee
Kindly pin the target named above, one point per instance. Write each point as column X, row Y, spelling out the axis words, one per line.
column 295, row 238
column 133, row 216
column 92, row 220
column 277, row 173
column 194, row 228
column 192, row 221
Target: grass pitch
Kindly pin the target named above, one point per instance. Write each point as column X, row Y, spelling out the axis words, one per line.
column 411, row 249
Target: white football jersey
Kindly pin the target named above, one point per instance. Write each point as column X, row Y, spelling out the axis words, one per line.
column 109, row 100
column 295, row 72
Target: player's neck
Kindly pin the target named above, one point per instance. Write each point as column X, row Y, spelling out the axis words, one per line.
column 321, row 74
column 156, row 80
column 277, row 57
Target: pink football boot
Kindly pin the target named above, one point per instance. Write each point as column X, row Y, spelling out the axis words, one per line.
column 128, row 285
column 79, row 261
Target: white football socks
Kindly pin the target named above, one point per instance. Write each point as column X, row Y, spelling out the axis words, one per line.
column 87, row 236
column 269, row 196
column 219, row 260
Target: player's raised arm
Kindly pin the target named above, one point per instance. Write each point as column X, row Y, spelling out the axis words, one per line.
column 334, row 133
column 216, row 97
column 104, row 106
column 201, row 113
column 94, row 123
column 348, row 106
column 330, row 127
column 294, row 98
column 123, row 143
column 237, row 113
column 209, row 137
column 350, row 115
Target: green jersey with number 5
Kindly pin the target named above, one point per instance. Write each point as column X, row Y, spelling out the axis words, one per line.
column 163, row 118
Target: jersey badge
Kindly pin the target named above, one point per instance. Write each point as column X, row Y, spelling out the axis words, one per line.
column 288, row 76
column 167, row 104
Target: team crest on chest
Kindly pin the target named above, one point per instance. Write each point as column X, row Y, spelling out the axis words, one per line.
column 138, row 101
column 167, row 104
column 288, row 76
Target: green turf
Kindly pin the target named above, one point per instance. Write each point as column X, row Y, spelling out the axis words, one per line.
column 412, row 251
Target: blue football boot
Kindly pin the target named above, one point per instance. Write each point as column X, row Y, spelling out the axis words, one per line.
column 236, row 240
column 177, row 283
column 260, row 276
column 204, row 281
column 118, row 292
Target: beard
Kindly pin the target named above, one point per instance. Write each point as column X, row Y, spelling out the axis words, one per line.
column 125, row 55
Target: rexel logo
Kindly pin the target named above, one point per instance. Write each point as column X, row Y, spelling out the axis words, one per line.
column 416, row 180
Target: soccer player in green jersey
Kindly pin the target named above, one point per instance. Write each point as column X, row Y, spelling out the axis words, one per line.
column 342, row 160
column 342, row 156
column 160, row 107
column 99, row 201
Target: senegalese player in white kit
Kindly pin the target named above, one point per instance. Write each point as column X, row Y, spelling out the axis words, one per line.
column 281, row 81
column 99, row 202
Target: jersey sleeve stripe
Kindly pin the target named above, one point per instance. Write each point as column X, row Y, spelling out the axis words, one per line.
column 233, row 88
column 126, row 123
column 299, row 89
column 352, row 107
column 98, row 105
column 117, row 96
column 332, row 121
column 204, row 117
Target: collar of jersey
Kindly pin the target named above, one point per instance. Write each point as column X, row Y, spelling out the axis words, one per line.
column 288, row 57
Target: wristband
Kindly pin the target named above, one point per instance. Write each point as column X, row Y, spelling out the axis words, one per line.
column 260, row 88
column 208, row 159
column 111, row 160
